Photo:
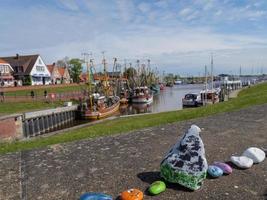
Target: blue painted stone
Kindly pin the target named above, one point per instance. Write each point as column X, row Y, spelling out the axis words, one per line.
column 95, row 196
column 215, row 171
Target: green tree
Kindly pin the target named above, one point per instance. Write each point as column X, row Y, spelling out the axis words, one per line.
column 75, row 69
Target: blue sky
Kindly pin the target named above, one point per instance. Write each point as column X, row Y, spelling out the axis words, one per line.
column 177, row 35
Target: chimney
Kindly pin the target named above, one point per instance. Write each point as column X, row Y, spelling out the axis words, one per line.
column 17, row 56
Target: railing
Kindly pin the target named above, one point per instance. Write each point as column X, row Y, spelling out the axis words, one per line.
column 49, row 98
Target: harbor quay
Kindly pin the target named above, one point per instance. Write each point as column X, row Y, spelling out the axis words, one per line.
column 113, row 164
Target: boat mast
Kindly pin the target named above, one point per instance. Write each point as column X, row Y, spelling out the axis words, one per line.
column 211, row 72
column 113, row 76
column 138, row 73
column 206, row 85
column 86, row 55
column 105, row 74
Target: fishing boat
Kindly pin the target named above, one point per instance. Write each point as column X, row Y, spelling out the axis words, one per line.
column 169, row 84
column 155, row 88
column 142, row 95
column 98, row 106
column 162, row 87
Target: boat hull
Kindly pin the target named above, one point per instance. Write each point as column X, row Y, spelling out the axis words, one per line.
column 142, row 99
column 101, row 114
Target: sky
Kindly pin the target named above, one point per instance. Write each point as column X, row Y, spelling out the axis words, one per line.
column 178, row 36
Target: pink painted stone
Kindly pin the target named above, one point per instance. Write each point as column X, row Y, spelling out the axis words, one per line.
column 225, row 167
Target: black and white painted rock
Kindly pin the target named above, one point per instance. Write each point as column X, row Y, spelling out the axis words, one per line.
column 186, row 163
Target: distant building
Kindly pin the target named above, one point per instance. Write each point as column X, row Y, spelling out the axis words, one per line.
column 29, row 69
column 55, row 75
column 65, row 75
column 6, row 77
column 59, row 74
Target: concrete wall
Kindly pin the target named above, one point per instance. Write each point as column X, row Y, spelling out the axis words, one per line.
column 11, row 127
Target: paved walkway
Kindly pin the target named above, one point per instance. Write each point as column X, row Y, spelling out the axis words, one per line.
column 113, row 164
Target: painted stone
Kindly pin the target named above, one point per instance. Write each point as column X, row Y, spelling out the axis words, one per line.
column 256, row 154
column 186, row 163
column 157, row 187
column 223, row 166
column 215, row 171
column 132, row 194
column 242, row 161
column 95, row 196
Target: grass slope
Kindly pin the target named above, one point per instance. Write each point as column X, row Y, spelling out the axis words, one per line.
column 40, row 91
column 255, row 95
column 11, row 107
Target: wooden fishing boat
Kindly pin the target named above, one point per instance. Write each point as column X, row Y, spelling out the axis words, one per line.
column 98, row 106
column 102, row 107
column 142, row 95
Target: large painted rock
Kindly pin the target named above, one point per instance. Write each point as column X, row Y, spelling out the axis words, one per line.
column 95, row 196
column 132, row 194
column 157, row 187
column 215, row 171
column 186, row 163
column 256, row 154
column 224, row 167
column 242, row 161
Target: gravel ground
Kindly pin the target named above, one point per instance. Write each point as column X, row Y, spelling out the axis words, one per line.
column 131, row 160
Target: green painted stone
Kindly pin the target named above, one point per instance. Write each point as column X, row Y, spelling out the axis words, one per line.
column 157, row 187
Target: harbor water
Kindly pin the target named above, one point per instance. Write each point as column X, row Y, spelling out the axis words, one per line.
column 168, row 99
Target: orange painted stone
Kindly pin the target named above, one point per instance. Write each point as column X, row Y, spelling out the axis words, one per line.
column 132, row 194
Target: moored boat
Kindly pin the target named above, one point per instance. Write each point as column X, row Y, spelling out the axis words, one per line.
column 142, row 95
column 155, row 88
column 210, row 96
column 101, row 107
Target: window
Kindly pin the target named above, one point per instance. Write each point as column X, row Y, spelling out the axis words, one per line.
column 40, row 68
column 40, row 62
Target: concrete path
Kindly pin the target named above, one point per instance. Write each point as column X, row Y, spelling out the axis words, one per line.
column 113, row 164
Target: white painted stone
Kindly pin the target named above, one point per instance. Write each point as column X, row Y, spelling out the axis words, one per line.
column 254, row 153
column 242, row 161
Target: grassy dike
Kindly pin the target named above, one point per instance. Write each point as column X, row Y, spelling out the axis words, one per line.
column 255, row 95
column 15, row 107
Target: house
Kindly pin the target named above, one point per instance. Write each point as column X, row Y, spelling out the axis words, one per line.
column 6, row 78
column 59, row 74
column 65, row 75
column 30, row 69
column 55, row 75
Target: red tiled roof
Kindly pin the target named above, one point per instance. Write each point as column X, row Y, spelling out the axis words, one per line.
column 61, row 70
column 50, row 68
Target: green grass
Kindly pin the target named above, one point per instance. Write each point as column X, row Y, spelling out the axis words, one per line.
column 11, row 107
column 255, row 95
column 40, row 91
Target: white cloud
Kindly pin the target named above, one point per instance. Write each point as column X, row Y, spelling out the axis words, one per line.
column 70, row 4
column 126, row 9
column 144, row 7
column 118, row 27
column 185, row 12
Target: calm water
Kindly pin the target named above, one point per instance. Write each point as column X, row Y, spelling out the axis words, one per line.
column 168, row 99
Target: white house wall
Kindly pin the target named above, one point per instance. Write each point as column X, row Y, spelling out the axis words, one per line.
column 40, row 70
